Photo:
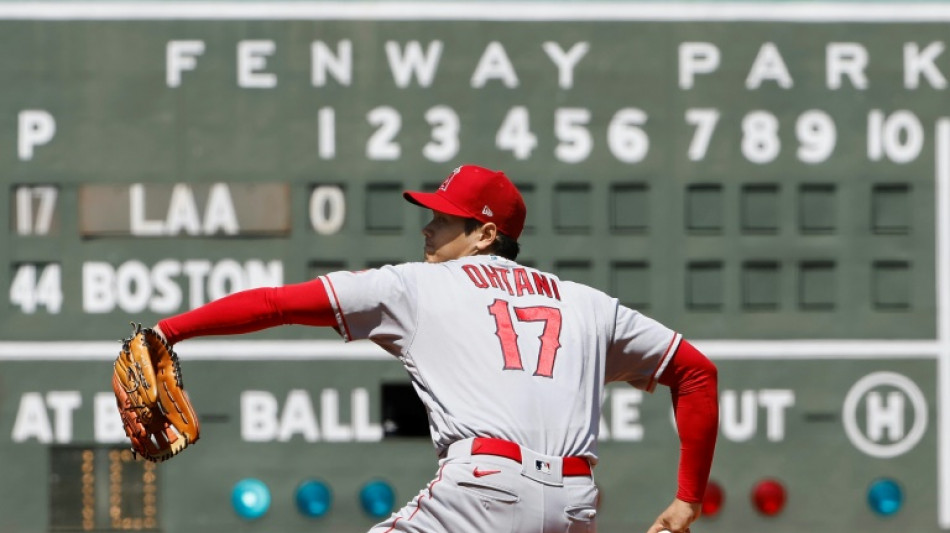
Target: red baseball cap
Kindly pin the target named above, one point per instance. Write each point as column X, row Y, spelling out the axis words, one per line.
column 476, row 192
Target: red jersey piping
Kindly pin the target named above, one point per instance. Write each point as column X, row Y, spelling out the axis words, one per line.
column 338, row 311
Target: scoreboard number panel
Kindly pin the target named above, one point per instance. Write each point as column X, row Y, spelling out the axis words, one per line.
column 101, row 489
column 33, row 210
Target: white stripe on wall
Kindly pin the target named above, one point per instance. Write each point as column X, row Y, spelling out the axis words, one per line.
column 435, row 10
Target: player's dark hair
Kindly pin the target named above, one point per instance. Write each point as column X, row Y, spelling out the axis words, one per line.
column 503, row 246
column 506, row 247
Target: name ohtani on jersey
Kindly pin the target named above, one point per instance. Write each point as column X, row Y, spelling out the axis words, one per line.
column 516, row 281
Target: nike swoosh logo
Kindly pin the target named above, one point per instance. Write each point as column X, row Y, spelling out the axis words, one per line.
column 480, row 473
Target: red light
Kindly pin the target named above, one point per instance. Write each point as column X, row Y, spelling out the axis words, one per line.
column 768, row 496
column 712, row 499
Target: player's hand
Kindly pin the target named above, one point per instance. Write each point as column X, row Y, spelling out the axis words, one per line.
column 676, row 518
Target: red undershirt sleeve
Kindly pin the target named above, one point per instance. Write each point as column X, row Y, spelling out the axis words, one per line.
column 252, row 310
column 692, row 379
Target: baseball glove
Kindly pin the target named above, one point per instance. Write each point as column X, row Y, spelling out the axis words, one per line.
column 156, row 412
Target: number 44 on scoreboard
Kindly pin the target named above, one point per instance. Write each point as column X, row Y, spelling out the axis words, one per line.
column 37, row 285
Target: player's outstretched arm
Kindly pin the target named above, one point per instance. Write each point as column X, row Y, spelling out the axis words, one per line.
column 252, row 310
column 676, row 518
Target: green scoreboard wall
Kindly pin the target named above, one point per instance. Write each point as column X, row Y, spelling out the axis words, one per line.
column 769, row 179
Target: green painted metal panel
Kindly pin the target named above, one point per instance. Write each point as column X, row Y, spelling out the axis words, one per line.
column 785, row 193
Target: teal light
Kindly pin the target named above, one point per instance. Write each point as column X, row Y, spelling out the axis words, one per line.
column 314, row 498
column 250, row 498
column 885, row 497
column 377, row 498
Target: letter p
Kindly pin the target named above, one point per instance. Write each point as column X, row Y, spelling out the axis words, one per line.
column 696, row 58
column 35, row 127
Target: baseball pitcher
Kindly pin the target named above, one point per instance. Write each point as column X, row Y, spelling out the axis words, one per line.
column 510, row 362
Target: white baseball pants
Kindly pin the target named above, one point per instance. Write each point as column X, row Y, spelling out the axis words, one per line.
column 488, row 493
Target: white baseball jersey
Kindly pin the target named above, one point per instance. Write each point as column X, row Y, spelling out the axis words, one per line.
column 497, row 349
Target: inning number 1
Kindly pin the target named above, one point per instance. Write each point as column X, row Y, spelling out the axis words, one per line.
column 505, row 331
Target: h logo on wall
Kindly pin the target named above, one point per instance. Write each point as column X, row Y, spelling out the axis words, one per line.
column 885, row 414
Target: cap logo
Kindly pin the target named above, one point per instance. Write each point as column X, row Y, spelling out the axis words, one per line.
column 487, row 211
column 448, row 180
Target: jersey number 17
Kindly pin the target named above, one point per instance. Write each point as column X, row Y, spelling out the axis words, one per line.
column 508, row 337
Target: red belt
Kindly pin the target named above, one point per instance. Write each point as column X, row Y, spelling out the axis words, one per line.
column 571, row 466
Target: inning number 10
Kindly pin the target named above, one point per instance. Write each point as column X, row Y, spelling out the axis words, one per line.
column 505, row 331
